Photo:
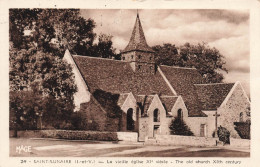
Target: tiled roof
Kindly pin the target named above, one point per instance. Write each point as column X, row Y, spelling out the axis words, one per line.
column 117, row 77
column 211, row 96
column 182, row 81
column 137, row 40
column 168, row 102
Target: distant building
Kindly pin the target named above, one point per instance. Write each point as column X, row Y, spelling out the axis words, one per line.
column 151, row 96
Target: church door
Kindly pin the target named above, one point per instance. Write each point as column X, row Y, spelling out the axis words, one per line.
column 156, row 130
column 129, row 119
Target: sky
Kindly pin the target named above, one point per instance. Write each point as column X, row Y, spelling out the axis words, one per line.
column 226, row 30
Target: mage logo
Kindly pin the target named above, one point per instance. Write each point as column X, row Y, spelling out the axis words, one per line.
column 23, row 148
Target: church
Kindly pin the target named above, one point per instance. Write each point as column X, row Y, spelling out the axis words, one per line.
column 147, row 97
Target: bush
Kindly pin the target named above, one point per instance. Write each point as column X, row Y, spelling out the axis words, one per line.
column 86, row 135
column 179, row 127
column 243, row 129
column 223, row 135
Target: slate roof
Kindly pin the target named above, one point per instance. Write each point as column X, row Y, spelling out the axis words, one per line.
column 182, row 81
column 117, row 77
column 211, row 96
column 137, row 40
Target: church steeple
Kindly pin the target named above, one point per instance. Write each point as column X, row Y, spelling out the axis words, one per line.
column 137, row 41
column 138, row 53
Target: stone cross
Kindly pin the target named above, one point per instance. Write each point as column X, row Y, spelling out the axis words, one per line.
column 216, row 122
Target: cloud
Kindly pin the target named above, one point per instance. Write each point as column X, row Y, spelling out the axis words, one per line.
column 236, row 52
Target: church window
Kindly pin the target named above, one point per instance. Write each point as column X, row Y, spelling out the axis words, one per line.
column 129, row 119
column 139, row 67
column 151, row 58
column 139, row 56
column 156, row 115
column 180, row 114
column 241, row 117
column 132, row 56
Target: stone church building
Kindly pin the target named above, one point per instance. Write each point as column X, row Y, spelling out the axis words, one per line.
column 151, row 96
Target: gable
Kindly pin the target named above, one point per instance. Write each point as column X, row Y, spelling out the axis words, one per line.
column 168, row 102
column 211, row 96
column 82, row 95
column 129, row 102
column 122, row 99
column 144, row 103
column 157, row 104
column 183, row 80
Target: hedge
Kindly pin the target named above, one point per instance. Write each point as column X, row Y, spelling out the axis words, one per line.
column 243, row 129
column 70, row 135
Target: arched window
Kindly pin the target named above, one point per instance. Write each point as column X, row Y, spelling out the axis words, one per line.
column 139, row 67
column 241, row 115
column 129, row 119
column 139, row 56
column 180, row 114
column 156, row 115
column 132, row 56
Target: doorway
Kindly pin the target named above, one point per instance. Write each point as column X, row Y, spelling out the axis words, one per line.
column 129, row 119
column 202, row 130
column 156, row 130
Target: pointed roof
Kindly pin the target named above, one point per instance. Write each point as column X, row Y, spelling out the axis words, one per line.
column 137, row 40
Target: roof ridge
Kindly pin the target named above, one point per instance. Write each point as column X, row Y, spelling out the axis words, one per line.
column 145, row 95
column 216, row 83
column 168, row 96
column 190, row 68
column 100, row 58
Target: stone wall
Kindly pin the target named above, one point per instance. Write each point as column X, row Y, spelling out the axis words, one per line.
column 231, row 108
column 182, row 140
column 146, row 61
column 194, row 124
column 239, row 142
column 127, row 136
column 143, row 128
column 163, row 122
column 96, row 119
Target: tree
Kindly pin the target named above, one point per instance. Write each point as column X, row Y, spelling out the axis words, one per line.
column 104, row 47
column 36, row 68
column 178, row 127
column 208, row 61
column 51, row 30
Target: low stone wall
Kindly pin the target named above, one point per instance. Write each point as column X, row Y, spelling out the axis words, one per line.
column 79, row 135
column 239, row 142
column 181, row 140
column 127, row 136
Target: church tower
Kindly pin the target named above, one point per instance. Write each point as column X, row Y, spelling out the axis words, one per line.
column 138, row 53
